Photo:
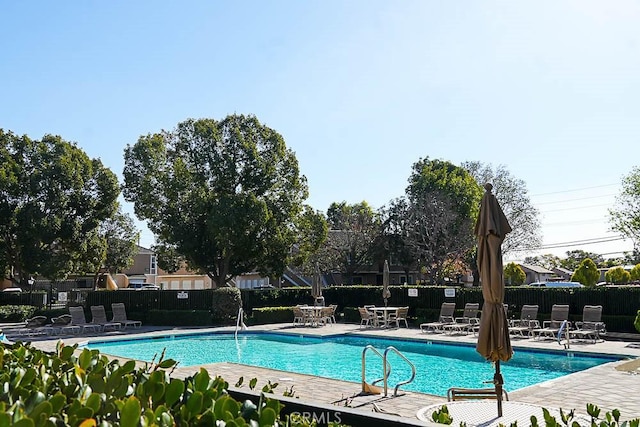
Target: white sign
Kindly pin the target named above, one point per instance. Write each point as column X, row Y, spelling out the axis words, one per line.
column 62, row 296
column 183, row 295
column 412, row 292
column 450, row 292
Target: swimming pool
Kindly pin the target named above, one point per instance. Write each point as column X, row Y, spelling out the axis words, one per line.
column 439, row 366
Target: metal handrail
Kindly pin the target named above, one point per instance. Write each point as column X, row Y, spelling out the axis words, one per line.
column 386, row 374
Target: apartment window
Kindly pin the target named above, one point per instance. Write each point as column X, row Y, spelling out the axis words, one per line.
column 152, row 265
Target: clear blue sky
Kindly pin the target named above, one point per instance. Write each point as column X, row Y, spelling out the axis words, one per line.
column 360, row 90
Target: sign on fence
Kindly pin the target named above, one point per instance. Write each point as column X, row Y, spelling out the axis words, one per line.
column 183, row 295
column 62, row 297
column 450, row 292
column 412, row 292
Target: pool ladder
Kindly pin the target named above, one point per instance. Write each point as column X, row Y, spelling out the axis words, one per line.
column 386, row 371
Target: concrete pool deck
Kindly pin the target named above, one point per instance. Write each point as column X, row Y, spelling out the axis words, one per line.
column 611, row 385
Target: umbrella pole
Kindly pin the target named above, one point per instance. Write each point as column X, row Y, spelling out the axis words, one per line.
column 498, row 381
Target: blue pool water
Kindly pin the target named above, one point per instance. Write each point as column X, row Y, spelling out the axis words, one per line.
column 439, row 366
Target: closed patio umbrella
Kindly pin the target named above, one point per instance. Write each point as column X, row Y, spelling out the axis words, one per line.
column 386, row 293
column 493, row 340
column 316, row 284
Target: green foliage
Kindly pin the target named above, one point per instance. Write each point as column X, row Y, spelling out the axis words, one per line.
column 227, row 195
column 625, row 217
column 266, row 315
column 435, row 219
column 514, row 275
column 636, row 322
column 575, row 257
column 587, row 273
column 635, row 272
column 441, row 416
column 16, row 313
column 617, row 275
column 225, row 303
column 567, row 419
column 54, row 197
column 512, row 194
column 71, row 388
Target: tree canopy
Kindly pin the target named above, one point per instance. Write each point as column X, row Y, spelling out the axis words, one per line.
column 512, row 194
column 53, row 198
column 434, row 221
column 587, row 273
column 514, row 275
column 227, row 195
column 625, row 217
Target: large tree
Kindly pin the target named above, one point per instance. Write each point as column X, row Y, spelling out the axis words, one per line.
column 352, row 240
column 53, row 198
column 625, row 217
column 227, row 195
column 441, row 204
column 512, row 194
column 548, row 261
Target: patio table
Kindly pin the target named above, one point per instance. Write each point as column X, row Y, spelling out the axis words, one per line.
column 312, row 312
column 384, row 312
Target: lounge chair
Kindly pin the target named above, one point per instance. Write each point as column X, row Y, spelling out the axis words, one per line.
column 62, row 325
column 99, row 317
column 399, row 316
column 528, row 321
column 34, row 326
column 78, row 319
column 120, row 316
column 591, row 325
column 467, row 322
column 550, row 328
column 446, row 316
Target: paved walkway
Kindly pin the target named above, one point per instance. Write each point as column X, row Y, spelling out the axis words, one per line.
column 604, row 385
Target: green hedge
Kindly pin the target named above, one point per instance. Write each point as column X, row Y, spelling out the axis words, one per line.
column 267, row 315
column 16, row 313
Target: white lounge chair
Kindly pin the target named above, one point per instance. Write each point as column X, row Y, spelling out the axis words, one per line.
column 120, row 316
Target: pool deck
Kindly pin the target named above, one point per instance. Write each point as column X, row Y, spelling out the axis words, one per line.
column 603, row 385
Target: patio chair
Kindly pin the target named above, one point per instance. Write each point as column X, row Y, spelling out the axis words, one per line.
column 591, row 325
column 446, row 316
column 120, row 316
column 99, row 317
column 528, row 321
column 367, row 318
column 78, row 319
column 299, row 317
column 550, row 328
column 400, row 316
column 467, row 322
column 325, row 315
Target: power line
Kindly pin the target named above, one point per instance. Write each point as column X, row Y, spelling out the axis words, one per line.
column 574, row 243
column 574, row 190
column 573, row 200
column 578, row 207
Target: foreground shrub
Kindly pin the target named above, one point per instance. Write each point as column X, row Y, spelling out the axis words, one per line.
column 65, row 389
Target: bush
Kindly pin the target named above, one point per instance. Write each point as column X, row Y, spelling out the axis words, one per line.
column 351, row 315
column 16, row 313
column 179, row 318
column 636, row 323
column 63, row 389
